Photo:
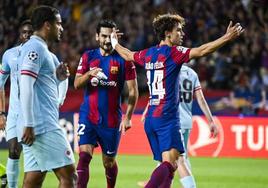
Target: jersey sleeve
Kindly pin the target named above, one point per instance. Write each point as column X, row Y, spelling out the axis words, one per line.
column 32, row 61
column 130, row 71
column 5, row 70
column 139, row 57
column 83, row 66
column 197, row 84
column 180, row 54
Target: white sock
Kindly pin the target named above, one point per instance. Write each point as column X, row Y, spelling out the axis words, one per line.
column 12, row 172
column 188, row 182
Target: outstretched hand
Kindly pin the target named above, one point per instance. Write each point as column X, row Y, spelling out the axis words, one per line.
column 234, row 31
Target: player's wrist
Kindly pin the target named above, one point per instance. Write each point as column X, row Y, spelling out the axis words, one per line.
column 114, row 42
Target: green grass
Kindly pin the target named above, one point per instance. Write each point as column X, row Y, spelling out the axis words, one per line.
column 209, row 172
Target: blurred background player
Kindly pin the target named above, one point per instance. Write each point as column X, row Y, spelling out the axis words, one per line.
column 3, row 176
column 189, row 86
column 40, row 77
column 163, row 63
column 10, row 67
column 103, row 73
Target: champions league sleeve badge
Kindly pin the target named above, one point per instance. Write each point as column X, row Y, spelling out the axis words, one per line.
column 32, row 56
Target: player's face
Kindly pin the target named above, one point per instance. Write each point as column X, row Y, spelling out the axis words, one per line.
column 56, row 29
column 104, row 39
column 176, row 36
column 25, row 32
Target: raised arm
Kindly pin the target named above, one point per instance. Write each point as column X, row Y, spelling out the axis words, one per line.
column 205, row 109
column 232, row 33
column 123, row 52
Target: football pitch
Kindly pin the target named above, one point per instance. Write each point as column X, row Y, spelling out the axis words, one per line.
column 209, row 172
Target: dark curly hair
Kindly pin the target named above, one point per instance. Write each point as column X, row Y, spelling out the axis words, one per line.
column 166, row 22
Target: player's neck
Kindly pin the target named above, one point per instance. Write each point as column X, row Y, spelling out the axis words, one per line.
column 165, row 42
column 41, row 35
column 105, row 53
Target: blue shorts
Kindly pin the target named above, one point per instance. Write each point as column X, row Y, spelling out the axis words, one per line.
column 49, row 151
column 107, row 138
column 163, row 134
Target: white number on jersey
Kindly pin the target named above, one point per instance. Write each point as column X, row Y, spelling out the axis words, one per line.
column 156, row 85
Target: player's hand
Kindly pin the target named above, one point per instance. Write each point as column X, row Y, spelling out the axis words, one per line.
column 234, row 31
column 28, row 136
column 125, row 125
column 143, row 118
column 114, row 37
column 62, row 71
column 213, row 130
column 2, row 122
column 94, row 72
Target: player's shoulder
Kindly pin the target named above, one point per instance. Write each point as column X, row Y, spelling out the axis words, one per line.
column 90, row 53
column 11, row 51
column 188, row 70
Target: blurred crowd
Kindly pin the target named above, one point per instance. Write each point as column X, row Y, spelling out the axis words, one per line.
column 243, row 63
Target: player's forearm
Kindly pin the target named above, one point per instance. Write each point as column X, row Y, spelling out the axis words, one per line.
column 81, row 80
column 26, row 99
column 132, row 101
column 2, row 100
column 208, row 48
column 124, row 52
column 203, row 105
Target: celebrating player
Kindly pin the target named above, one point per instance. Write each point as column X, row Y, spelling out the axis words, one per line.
column 45, row 146
column 163, row 63
column 103, row 73
column 189, row 86
column 10, row 67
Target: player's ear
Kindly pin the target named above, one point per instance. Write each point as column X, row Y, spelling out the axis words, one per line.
column 167, row 34
column 47, row 25
column 97, row 37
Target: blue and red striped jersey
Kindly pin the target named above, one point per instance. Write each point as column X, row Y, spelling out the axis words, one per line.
column 102, row 98
column 162, row 65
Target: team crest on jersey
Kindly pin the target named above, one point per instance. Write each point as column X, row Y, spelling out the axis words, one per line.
column 32, row 55
column 114, row 69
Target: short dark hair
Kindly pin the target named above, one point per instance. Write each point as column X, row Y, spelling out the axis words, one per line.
column 25, row 22
column 105, row 23
column 41, row 14
column 166, row 22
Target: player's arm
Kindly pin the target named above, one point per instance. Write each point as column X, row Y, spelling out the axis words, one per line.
column 63, row 87
column 144, row 113
column 132, row 100
column 232, row 33
column 205, row 109
column 4, row 73
column 82, row 79
column 123, row 52
column 2, row 109
column 26, row 98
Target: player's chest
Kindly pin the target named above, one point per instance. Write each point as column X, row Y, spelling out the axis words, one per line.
column 110, row 67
